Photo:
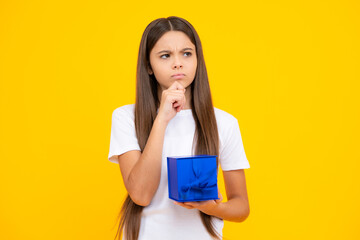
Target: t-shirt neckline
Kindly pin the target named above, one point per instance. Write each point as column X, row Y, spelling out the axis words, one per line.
column 183, row 112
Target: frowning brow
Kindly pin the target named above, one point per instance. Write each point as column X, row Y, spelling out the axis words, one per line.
column 168, row 51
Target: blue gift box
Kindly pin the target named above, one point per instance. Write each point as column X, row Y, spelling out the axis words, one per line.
column 192, row 178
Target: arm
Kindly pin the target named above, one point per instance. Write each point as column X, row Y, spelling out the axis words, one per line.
column 236, row 209
column 141, row 171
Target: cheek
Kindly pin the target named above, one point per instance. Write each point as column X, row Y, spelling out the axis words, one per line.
column 194, row 62
column 160, row 70
column 194, row 66
column 156, row 67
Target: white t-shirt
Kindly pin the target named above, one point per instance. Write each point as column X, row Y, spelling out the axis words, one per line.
column 162, row 219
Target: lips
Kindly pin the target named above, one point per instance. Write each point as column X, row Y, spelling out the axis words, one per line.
column 178, row 75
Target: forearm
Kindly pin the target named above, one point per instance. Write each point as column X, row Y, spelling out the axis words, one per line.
column 234, row 210
column 145, row 175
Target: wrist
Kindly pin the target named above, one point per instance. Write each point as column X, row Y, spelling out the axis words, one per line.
column 160, row 121
column 216, row 210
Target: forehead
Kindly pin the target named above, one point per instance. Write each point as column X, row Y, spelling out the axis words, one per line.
column 173, row 40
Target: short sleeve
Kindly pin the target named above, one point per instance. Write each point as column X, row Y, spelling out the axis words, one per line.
column 123, row 135
column 232, row 153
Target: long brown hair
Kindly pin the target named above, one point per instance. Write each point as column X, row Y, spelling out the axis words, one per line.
column 147, row 102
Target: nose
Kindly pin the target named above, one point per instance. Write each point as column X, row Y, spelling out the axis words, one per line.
column 177, row 64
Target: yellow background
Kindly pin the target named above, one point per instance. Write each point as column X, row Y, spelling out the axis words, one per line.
column 287, row 70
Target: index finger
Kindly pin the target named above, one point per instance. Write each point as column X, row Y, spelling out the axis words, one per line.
column 176, row 86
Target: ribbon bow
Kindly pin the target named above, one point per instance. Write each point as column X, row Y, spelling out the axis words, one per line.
column 203, row 186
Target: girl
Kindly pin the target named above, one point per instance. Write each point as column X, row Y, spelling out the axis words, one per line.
column 173, row 115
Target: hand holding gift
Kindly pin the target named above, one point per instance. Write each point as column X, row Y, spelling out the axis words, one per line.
column 204, row 206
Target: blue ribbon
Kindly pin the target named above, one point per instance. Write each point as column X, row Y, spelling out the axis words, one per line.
column 203, row 186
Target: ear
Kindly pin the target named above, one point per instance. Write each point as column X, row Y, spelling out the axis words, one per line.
column 149, row 70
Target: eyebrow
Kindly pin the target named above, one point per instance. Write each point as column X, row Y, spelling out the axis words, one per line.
column 166, row 51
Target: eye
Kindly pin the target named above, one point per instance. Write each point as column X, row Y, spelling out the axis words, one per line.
column 189, row 53
column 164, row 55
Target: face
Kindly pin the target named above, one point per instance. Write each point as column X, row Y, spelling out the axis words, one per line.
column 173, row 58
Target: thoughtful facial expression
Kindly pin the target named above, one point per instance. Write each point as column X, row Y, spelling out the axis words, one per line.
column 173, row 58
